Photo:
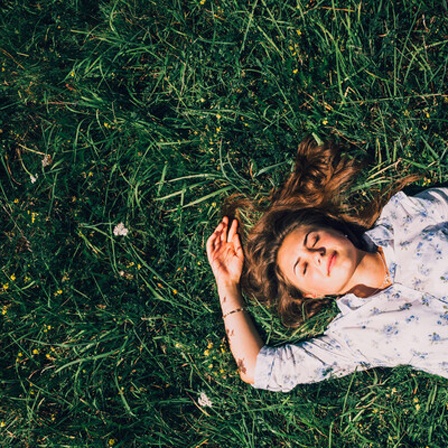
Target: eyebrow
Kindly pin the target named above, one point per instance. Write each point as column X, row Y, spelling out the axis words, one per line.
column 305, row 241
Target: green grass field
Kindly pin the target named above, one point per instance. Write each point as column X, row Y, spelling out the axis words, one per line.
column 149, row 113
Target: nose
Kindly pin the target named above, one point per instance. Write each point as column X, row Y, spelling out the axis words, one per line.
column 317, row 255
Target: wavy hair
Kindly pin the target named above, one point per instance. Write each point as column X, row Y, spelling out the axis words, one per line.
column 263, row 278
column 315, row 194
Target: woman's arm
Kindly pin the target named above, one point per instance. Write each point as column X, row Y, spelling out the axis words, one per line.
column 225, row 256
column 435, row 200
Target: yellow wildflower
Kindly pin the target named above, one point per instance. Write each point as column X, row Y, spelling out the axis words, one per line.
column 33, row 216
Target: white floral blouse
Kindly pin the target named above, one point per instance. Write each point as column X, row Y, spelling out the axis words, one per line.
column 406, row 324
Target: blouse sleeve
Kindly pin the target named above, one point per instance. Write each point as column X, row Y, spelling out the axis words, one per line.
column 430, row 207
column 405, row 218
column 435, row 202
column 282, row 368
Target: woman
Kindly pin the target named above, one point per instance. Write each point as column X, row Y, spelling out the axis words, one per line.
column 386, row 263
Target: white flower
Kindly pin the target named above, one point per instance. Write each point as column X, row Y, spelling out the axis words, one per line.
column 120, row 230
column 33, row 179
column 47, row 160
column 204, row 401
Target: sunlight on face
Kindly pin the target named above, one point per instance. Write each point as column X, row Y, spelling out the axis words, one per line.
column 318, row 261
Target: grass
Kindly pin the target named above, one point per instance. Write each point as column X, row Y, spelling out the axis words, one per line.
column 150, row 114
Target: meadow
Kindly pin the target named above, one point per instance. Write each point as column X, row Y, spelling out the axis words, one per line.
column 123, row 126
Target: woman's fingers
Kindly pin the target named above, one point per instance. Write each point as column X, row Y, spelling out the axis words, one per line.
column 210, row 242
column 232, row 231
column 216, row 237
column 223, row 234
column 237, row 243
column 224, row 223
column 224, row 250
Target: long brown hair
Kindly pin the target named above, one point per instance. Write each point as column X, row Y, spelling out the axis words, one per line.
column 316, row 193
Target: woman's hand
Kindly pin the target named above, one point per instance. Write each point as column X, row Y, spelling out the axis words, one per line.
column 226, row 258
column 225, row 253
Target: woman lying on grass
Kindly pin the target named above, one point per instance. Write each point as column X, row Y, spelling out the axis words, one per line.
column 387, row 265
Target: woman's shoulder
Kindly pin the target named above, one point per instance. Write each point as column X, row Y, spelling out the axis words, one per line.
column 405, row 215
column 431, row 203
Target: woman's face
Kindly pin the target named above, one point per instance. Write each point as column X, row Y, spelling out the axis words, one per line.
column 318, row 261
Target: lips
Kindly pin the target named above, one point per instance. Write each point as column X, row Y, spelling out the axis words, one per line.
column 331, row 262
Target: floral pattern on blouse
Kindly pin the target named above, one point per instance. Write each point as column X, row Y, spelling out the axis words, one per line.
column 406, row 324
